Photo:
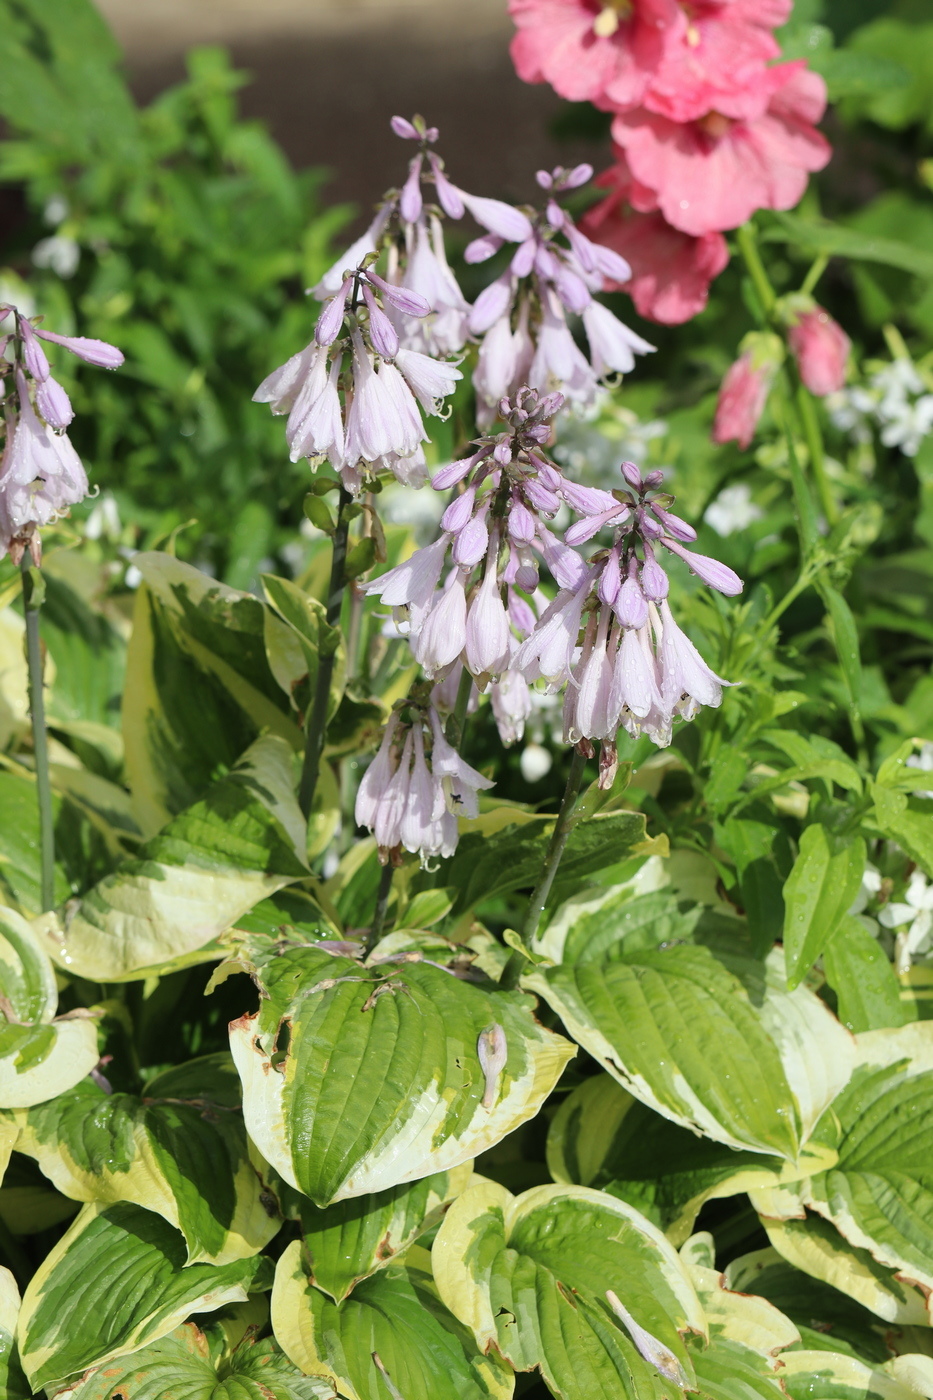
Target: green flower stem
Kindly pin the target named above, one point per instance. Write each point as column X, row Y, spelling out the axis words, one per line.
column 748, row 247
column 33, row 595
column 382, row 906
column 516, row 963
column 456, row 723
column 316, row 721
column 814, row 440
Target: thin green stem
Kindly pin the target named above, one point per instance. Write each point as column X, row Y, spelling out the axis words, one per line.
column 382, row 907
column 559, row 837
column 316, row 722
column 456, row 723
column 814, row 440
column 818, row 267
column 748, row 247
column 33, row 594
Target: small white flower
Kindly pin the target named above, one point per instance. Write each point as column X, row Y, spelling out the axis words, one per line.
column 924, row 761
column 913, row 917
column 59, row 253
column 732, row 510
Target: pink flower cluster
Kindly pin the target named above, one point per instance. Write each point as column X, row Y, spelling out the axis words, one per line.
column 707, row 128
column 41, row 475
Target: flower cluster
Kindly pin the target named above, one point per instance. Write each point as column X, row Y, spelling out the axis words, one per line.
column 416, row 786
column 897, row 398
column 41, row 475
column 706, row 128
column 352, row 395
column 636, row 667
column 522, row 315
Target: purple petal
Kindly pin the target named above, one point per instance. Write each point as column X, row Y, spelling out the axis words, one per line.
column 408, row 302
column 674, row 525
column 572, row 290
column 459, row 512
column 447, row 195
column 492, row 303
column 331, row 318
column 610, row 264
column 578, row 176
column 555, row 215
column 711, row 571
column 481, row 249
column 588, row 500
column 545, row 180
column 524, row 258
column 631, row 606
column 36, row 361
column 410, row 202
column 454, row 471
column 382, row 333
column 498, row 217
column 632, row 476
column 53, row 403
column 402, row 127
column 95, row 352
column 654, row 580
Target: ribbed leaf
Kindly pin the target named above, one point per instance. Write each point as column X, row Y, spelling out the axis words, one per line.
column 13, row 1383
column 198, row 687
column 115, row 1281
column 39, row 1056
column 817, row 896
column 181, row 1151
column 602, row 1137
column 179, row 1367
column 390, row 1337
column 243, row 840
column 347, row 1242
column 530, row 1275
column 834, row 1376
column 297, row 634
column 679, row 1032
column 356, row 1079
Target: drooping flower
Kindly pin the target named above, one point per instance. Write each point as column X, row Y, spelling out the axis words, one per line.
column 821, row 348
column 712, row 174
column 41, row 475
column 671, row 270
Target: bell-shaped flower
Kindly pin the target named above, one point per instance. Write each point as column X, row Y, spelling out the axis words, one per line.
column 442, row 635
column 459, row 783
column 684, row 673
column 488, row 636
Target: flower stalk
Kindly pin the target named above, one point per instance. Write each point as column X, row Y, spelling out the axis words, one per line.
column 559, row 837
column 33, row 596
column 316, row 722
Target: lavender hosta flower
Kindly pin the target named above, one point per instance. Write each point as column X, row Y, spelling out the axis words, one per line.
column 511, row 706
column 377, row 424
column 546, row 281
column 416, row 787
column 41, row 475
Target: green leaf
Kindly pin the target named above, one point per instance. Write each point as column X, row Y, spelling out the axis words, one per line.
column 759, row 851
column 180, row 1367
column 530, row 1276
column 602, row 1137
column 353, row 1239
column 80, row 851
column 851, row 74
column 597, row 923
column 357, row 1079
column 833, row 240
column 860, row 973
column 73, row 1317
column 484, row 869
column 39, row 1055
column 181, row 1151
column 908, row 822
column 845, row 640
column 678, row 1030
column 297, row 635
column 391, row 1337
column 242, row 841
column 13, row 1383
column 199, row 689
column 834, row 1376
column 817, row 896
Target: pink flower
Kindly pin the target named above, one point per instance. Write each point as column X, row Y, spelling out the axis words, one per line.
column 821, row 348
column 589, row 51
column 716, row 58
column 713, row 173
column 744, row 391
column 671, row 271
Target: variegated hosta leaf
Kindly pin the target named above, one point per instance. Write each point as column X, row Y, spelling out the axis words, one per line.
column 391, row 1337
column 746, row 1335
column 347, row 1242
column 356, row 1079
column 13, row 1383
column 824, row 1316
column 531, row 1277
column 678, row 1030
column 879, row 1194
column 181, row 1151
column 114, row 1282
column 602, row 1137
column 180, row 1367
column 243, row 840
column 831, row 1375
column 39, row 1055
column 816, row 1246
column 198, row 687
